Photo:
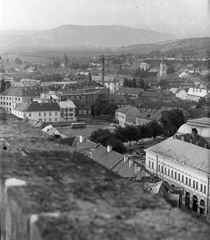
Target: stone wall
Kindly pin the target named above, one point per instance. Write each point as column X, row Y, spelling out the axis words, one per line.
column 50, row 192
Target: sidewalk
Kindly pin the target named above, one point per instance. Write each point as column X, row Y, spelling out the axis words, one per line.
column 190, row 212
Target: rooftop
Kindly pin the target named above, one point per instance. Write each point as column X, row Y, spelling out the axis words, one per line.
column 185, row 153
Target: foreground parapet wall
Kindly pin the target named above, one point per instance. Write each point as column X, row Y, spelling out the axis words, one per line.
column 50, row 192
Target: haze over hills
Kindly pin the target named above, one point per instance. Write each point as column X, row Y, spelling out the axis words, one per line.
column 79, row 35
column 179, row 30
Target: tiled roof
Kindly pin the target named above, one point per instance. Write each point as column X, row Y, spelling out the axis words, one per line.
column 79, row 105
column 184, row 153
column 23, row 92
column 125, row 109
column 66, row 104
column 119, row 99
column 37, row 107
column 107, row 159
column 124, row 170
column 127, row 90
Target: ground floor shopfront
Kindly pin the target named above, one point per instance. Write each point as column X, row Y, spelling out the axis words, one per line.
column 198, row 204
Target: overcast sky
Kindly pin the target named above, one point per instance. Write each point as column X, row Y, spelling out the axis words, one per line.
column 45, row 14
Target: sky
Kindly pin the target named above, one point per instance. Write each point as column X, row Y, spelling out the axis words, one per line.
column 48, row 14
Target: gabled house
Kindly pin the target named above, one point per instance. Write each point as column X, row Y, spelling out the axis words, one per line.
column 126, row 115
column 44, row 112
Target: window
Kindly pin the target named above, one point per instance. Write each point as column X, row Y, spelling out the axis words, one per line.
column 204, row 189
column 18, row 99
column 29, row 114
column 172, row 173
column 169, row 172
column 186, row 181
column 56, row 119
column 55, row 113
column 161, row 169
column 201, row 187
column 158, row 167
column 165, row 170
column 39, row 114
column 45, row 114
column 182, row 178
column 196, row 185
column 149, row 164
column 179, row 177
column 50, row 119
column 190, row 182
column 193, row 184
column 44, row 120
column 175, row 175
column 152, row 165
column 49, row 113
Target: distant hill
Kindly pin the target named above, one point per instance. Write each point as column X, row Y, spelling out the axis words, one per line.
column 82, row 36
column 179, row 30
column 193, row 46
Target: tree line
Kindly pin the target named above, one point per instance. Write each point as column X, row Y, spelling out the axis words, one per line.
column 135, row 133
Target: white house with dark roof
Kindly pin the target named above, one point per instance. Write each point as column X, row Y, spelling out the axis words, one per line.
column 126, row 115
column 184, row 161
column 45, row 112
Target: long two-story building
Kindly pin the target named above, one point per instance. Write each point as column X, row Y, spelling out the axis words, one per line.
column 184, row 161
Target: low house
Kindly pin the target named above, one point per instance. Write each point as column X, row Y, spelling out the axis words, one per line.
column 195, row 94
column 126, row 115
column 182, row 94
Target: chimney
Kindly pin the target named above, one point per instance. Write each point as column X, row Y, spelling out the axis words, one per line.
column 81, row 138
column 130, row 162
column 194, row 133
column 102, row 71
column 125, row 158
column 109, row 148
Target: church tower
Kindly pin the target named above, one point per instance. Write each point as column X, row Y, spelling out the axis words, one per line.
column 162, row 70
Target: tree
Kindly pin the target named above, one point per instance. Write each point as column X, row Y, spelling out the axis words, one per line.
column 103, row 107
column 134, row 85
column 175, row 119
column 117, row 145
column 163, row 83
column 155, row 128
column 56, row 64
column 125, row 82
column 105, row 137
column 101, row 136
column 18, row 61
column 170, row 69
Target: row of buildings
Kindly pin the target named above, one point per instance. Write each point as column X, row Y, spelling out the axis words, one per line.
column 177, row 169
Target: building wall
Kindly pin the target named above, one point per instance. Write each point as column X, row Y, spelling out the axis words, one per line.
column 68, row 115
column 48, row 116
column 192, row 180
column 87, row 99
column 182, row 95
column 10, row 102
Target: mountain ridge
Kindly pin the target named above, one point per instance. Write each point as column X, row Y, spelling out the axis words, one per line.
column 81, row 35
